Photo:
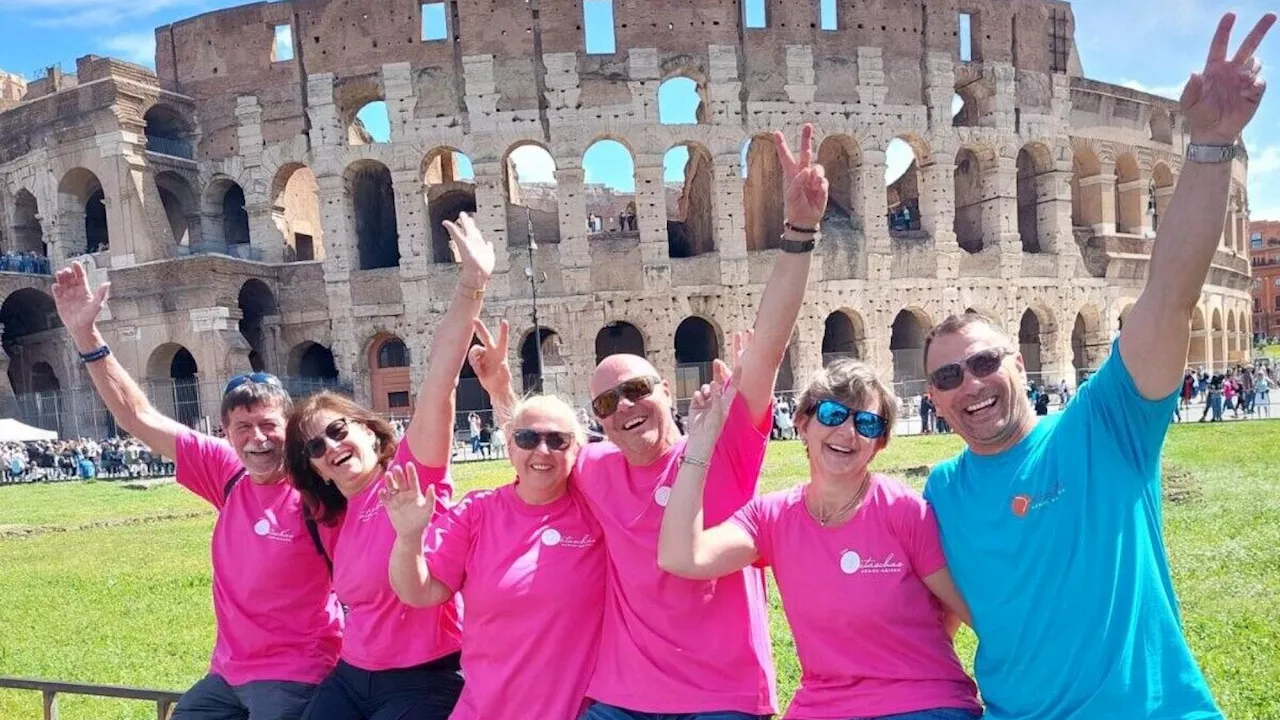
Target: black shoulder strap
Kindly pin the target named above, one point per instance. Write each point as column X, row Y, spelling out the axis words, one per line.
column 226, row 489
column 314, row 531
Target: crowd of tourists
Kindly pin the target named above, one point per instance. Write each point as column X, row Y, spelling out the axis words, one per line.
column 24, row 262
column 52, row 460
column 1245, row 391
column 624, row 579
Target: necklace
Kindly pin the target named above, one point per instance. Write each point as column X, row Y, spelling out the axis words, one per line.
column 825, row 519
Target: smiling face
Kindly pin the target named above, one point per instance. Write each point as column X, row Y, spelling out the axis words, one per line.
column 840, row 453
column 257, row 435
column 350, row 463
column 543, row 470
column 642, row 429
column 991, row 413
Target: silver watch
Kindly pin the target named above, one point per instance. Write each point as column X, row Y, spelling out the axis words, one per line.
column 1211, row 153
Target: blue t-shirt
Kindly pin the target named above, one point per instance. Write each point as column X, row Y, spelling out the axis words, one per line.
column 1057, row 545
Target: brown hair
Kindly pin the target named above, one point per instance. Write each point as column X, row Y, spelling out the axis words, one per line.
column 852, row 383
column 954, row 324
column 323, row 500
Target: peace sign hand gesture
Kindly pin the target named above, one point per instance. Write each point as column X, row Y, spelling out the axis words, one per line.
column 1222, row 99
column 409, row 509
column 806, row 187
column 489, row 358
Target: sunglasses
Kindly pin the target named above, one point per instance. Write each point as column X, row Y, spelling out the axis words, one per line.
column 335, row 431
column 527, row 439
column 831, row 414
column 257, row 378
column 637, row 388
column 981, row 364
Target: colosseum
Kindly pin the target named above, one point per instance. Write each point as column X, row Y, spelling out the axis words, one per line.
column 246, row 217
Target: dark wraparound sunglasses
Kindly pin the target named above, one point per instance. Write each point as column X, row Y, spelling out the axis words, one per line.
column 527, row 439
column 335, row 431
column 257, row 377
column 981, row 364
column 637, row 388
column 834, row 414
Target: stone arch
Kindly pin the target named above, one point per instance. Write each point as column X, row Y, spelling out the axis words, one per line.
column 366, row 119
column 390, row 385
column 451, row 190
column 24, row 315
column 181, row 207
column 1198, row 349
column 169, row 131
column 1034, row 165
column 1086, row 188
column 173, row 378
column 259, row 315
column 844, row 335
column 531, row 199
column 903, row 193
column 28, row 234
column 1035, row 331
column 977, row 96
column 906, row 345
column 697, row 344
column 537, row 355
column 674, row 97
column 373, row 214
column 762, row 194
column 841, row 158
column 1232, row 339
column 83, row 210
column 1218, row 338
column 969, row 200
column 619, row 337
column 1128, row 194
column 224, row 204
column 296, row 212
column 689, row 200
column 609, row 207
column 1088, row 341
column 311, row 367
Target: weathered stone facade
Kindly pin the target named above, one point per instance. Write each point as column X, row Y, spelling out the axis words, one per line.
column 250, row 221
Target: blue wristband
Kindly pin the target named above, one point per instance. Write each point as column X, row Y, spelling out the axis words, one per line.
column 95, row 355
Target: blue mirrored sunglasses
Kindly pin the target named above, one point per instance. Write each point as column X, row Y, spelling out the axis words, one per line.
column 258, row 377
column 833, row 414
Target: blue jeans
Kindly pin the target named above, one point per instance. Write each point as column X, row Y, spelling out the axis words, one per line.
column 213, row 699
column 424, row 692
column 600, row 711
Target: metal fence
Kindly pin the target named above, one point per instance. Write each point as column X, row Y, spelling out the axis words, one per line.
column 171, row 147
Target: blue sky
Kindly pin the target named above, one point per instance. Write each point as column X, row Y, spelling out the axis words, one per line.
column 1146, row 44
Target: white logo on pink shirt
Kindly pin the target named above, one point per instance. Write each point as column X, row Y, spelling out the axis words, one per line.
column 662, row 495
column 269, row 527
column 851, row 562
column 551, row 537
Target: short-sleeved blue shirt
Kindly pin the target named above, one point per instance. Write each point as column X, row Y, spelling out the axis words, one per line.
column 1057, row 545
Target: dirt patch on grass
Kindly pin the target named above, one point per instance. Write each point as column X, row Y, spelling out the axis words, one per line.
column 7, row 531
column 1180, row 486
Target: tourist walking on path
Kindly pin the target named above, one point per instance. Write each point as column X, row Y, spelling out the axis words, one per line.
column 1053, row 530
column 856, row 556
column 398, row 662
column 671, row 647
column 278, row 631
column 531, row 544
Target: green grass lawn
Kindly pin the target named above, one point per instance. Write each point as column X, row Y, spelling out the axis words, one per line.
column 129, row 603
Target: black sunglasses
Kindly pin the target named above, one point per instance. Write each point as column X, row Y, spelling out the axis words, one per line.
column 335, row 431
column 637, row 388
column 257, row 377
column 833, row 414
column 527, row 439
column 981, row 364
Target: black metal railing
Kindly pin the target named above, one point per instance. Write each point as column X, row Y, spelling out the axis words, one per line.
column 164, row 700
column 171, row 146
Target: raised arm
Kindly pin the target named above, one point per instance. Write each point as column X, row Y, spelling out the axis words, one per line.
column 430, row 432
column 410, row 511
column 79, row 307
column 805, row 202
column 1218, row 103
column 493, row 370
column 685, row 546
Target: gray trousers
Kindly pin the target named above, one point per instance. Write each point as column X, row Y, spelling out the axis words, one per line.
column 213, row 699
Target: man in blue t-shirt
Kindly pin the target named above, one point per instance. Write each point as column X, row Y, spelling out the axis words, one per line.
column 1053, row 530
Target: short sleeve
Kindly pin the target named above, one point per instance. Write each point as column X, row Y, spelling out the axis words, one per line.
column 205, row 465
column 918, row 532
column 755, row 519
column 738, row 456
column 1137, row 426
column 447, row 544
column 438, row 479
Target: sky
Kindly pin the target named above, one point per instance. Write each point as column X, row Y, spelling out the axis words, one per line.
column 1150, row 45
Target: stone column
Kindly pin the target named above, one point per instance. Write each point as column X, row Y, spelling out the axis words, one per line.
column 411, row 223
column 870, row 205
column 1133, row 204
column 938, row 213
column 491, row 218
column 730, row 220
column 651, row 218
column 999, row 185
column 1163, row 196
column 264, row 232
column 575, row 253
column 1099, row 200
column 335, row 221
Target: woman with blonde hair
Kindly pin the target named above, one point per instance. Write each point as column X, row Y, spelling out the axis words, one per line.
column 527, row 559
column 856, row 555
column 397, row 662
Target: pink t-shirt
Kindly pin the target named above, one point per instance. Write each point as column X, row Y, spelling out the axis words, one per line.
column 532, row 581
column 383, row 633
column 271, row 590
column 870, row 636
column 671, row 645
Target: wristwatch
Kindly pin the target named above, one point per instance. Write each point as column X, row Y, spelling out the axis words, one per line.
column 1211, row 153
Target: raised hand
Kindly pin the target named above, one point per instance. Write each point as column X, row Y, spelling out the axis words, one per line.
column 78, row 305
column 707, row 410
column 409, row 509
column 474, row 251
column 805, row 198
column 1220, row 100
column 489, row 358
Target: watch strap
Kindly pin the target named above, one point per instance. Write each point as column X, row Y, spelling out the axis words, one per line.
column 1210, row 153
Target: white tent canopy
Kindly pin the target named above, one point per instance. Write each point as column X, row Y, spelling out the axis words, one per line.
column 13, row 431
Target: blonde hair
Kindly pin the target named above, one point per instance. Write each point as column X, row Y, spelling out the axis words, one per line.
column 852, row 383
column 553, row 405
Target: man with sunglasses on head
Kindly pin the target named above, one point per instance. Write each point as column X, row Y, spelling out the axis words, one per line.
column 278, row 633
column 675, row 648
column 1053, row 530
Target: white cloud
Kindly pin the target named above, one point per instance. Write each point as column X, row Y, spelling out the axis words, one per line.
column 139, row 47
column 1264, row 162
column 533, row 164
column 1168, row 91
